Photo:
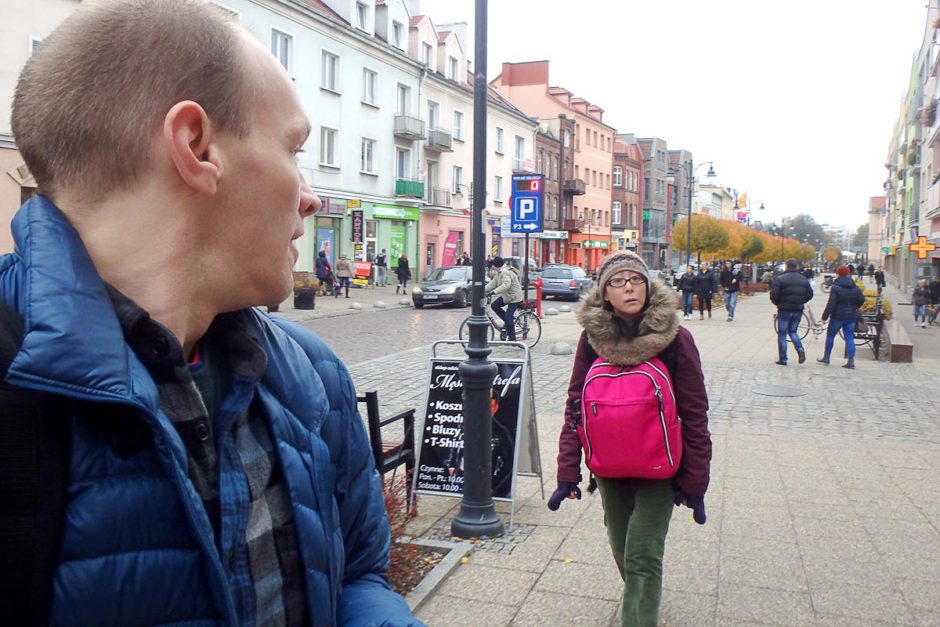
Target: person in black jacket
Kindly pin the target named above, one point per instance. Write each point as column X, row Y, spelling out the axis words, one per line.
column 686, row 285
column 704, row 288
column 880, row 279
column 731, row 281
column 789, row 293
column 934, row 289
column 844, row 302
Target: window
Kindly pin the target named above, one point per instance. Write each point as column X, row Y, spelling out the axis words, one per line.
column 434, row 115
column 367, row 160
column 458, row 179
column 402, row 163
column 566, row 139
column 498, row 189
column 594, row 177
column 397, row 30
column 615, row 210
column 595, row 139
column 607, row 180
column 426, row 51
column 618, row 176
column 362, row 16
column 538, row 162
column 282, row 47
column 458, row 125
column 587, row 136
column 369, row 80
column 646, row 189
column 229, row 13
column 329, row 71
column 520, row 149
column 329, row 154
column 452, row 68
column 404, row 100
column 499, row 141
column 554, row 167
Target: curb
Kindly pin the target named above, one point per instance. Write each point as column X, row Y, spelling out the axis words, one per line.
column 433, row 580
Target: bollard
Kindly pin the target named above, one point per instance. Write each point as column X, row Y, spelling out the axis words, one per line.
column 538, row 297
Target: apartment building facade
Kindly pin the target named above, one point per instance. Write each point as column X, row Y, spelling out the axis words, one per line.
column 655, row 232
column 554, row 161
column 626, row 195
column 587, row 224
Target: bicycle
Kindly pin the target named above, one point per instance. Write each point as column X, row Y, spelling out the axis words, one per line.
column 527, row 323
column 807, row 323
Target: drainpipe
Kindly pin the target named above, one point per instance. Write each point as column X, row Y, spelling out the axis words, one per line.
column 419, row 257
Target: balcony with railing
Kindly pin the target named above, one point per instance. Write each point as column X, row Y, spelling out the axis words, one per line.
column 439, row 141
column 409, row 127
column 574, row 187
column 573, row 224
column 439, row 197
column 409, row 188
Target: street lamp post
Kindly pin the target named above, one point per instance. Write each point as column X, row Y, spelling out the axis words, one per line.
column 477, row 517
column 692, row 180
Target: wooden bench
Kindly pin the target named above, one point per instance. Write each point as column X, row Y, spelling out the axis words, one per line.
column 390, row 455
column 898, row 345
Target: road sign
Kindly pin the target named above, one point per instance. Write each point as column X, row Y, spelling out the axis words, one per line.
column 526, row 215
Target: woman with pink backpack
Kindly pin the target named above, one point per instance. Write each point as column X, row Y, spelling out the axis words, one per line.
column 638, row 411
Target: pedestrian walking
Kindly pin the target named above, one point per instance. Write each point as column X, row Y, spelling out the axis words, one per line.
column 180, row 456
column 629, row 320
column 920, row 298
column 790, row 292
column 871, row 272
column 344, row 274
column 880, row 279
column 842, row 312
column 687, row 287
column 324, row 272
column 731, row 281
column 704, row 290
column 851, row 270
column 464, row 260
column 861, row 272
column 403, row 272
column 934, row 289
column 381, row 269
column 506, row 286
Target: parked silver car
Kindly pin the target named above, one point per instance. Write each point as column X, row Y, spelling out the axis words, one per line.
column 565, row 281
column 450, row 284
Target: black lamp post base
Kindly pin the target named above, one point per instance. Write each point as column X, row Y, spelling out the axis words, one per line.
column 476, row 520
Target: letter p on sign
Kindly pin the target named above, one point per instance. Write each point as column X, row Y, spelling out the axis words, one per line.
column 527, row 209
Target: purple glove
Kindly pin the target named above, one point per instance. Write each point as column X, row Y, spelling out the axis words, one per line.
column 565, row 489
column 694, row 502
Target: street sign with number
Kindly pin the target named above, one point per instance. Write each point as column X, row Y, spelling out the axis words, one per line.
column 526, row 214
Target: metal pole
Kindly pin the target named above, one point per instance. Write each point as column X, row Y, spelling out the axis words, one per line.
column 477, row 517
column 525, row 268
column 688, row 240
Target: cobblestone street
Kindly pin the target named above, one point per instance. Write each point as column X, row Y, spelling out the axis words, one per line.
column 820, row 510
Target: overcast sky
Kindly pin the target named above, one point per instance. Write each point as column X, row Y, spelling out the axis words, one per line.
column 794, row 101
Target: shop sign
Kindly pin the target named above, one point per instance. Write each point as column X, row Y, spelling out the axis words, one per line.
column 595, row 243
column 395, row 213
column 354, row 203
column 357, row 225
column 554, row 234
column 335, row 206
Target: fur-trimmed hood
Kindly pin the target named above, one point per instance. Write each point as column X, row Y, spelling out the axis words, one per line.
column 657, row 330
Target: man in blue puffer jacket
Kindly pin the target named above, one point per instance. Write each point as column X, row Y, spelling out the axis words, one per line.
column 219, row 472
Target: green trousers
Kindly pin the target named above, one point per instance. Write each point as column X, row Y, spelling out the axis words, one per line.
column 637, row 514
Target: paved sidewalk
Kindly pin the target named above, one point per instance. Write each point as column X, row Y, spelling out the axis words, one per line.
column 329, row 306
column 820, row 510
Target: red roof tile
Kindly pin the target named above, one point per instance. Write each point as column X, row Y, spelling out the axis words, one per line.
column 415, row 20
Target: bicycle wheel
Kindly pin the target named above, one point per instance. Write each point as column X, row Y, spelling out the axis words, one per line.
column 464, row 332
column 528, row 328
column 802, row 330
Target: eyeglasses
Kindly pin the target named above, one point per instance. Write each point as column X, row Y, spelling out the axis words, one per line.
column 621, row 281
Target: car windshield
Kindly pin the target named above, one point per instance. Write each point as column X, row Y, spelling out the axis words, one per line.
column 448, row 274
column 556, row 273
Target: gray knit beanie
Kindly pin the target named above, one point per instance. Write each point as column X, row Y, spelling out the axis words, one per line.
column 622, row 261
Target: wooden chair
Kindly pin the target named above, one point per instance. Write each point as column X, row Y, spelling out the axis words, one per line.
column 390, row 455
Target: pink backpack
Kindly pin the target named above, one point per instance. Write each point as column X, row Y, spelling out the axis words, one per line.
column 629, row 426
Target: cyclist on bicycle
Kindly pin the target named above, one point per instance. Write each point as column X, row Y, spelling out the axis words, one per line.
column 507, row 288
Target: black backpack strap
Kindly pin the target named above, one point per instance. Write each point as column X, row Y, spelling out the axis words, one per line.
column 34, row 463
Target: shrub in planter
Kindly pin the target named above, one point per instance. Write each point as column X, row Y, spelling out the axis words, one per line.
column 304, row 291
column 869, row 305
column 405, row 557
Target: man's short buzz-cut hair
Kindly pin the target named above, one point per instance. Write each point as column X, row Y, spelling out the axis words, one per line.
column 790, row 264
column 90, row 101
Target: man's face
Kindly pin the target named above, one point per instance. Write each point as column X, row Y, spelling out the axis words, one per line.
column 704, row 267
column 263, row 195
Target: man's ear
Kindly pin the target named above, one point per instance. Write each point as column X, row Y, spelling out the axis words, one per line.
column 187, row 137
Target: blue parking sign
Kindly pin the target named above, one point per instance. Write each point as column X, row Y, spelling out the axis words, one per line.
column 526, row 211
